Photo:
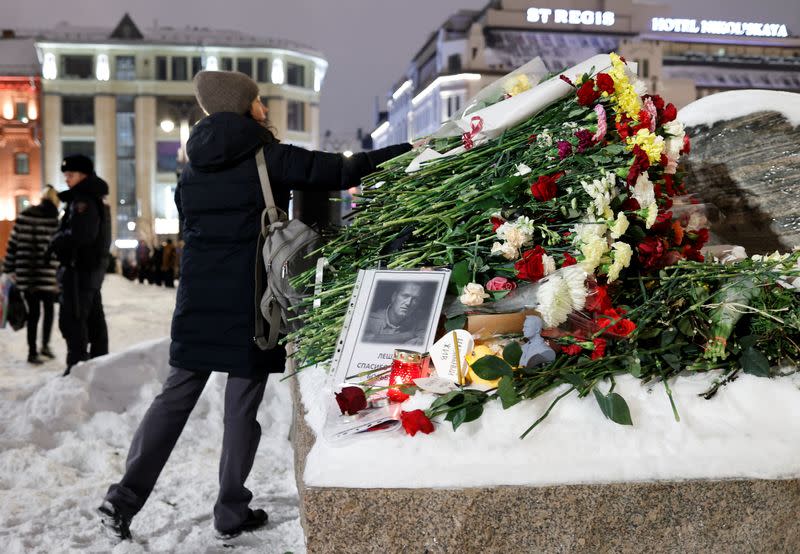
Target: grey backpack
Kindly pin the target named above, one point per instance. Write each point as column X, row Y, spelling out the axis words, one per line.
column 284, row 248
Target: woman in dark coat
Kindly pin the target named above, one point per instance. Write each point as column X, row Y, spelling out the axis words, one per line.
column 34, row 271
column 220, row 203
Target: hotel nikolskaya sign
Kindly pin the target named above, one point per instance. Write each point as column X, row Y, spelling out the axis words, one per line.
column 570, row 17
column 713, row 27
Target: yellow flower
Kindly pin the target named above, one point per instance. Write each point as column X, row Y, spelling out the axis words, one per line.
column 622, row 259
column 651, row 143
column 593, row 251
column 517, row 84
column 620, row 226
column 625, row 95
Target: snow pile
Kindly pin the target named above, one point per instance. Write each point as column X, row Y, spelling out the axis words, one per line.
column 63, row 441
column 725, row 106
column 750, row 429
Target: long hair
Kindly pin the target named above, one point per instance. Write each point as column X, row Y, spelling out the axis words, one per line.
column 50, row 194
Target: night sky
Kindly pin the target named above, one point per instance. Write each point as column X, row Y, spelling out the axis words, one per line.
column 368, row 43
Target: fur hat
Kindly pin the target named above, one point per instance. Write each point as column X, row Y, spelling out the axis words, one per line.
column 78, row 162
column 224, row 91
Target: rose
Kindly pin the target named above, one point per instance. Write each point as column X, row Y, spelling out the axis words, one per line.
column 499, row 284
column 587, row 95
column 473, row 295
column 613, row 322
column 351, row 400
column 598, row 300
column 605, row 83
column 531, row 266
column 416, row 421
column 544, row 188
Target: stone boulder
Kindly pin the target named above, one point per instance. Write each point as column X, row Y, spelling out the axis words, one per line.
column 745, row 159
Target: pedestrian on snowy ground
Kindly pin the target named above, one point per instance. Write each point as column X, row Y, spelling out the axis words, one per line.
column 35, row 272
column 220, row 203
column 142, row 260
column 156, row 274
column 81, row 245
column 170, row 260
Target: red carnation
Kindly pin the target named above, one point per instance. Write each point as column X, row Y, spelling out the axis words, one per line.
column 497, row 222
column 351, row 400
column 663, row 224
column 564, row 149
column 614, row 324
column 598, row 300
column 416, row 421
column 669, row 114
column 530, row 267
column 532, row 138
column 605, row 83
column 623, row 127
column 568, row 260
column 544, row 188
column 586, row 93
column 687, row 145
column 645, row 119
column 599, row 348
column 571, row 350
column 652, row 253
column 585, row 140
column 641, row 163
column 658, row 102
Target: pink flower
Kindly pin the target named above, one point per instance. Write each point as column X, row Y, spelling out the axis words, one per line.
column 499, row 284
column 651, row 109
column 602, row 124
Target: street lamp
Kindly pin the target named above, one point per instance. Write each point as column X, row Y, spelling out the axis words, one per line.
column 347, row 153
column 167, row 125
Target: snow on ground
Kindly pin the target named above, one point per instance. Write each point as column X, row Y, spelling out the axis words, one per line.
column 64, row 440
column 750, row 429
column 731, row 104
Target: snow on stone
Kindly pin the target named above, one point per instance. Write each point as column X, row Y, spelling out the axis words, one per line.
column 724, row 106
column 64, row 440
column 750, row 429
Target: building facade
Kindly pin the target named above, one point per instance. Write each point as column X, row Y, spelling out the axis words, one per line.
column 124, row 97
column 679, row 57
column 20, row 131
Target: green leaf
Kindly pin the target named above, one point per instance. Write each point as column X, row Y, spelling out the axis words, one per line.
column 649, row 333
column 668, row 336
column 614, row 149
column 458, row 417
column 748, row 341
column 456, row 395
column 574, row 379
column 685, row 326
column 507, row 393
column 636, row 233
column 473, row 412
column 491, row 367
column 455, row 323
column 673, row 360
column 754, row 362
column 576, row 112
column 512, row 353
column 499, row 294
column 461, row 274
column 614, row 407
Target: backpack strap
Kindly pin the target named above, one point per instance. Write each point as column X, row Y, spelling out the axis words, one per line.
column 266, row 186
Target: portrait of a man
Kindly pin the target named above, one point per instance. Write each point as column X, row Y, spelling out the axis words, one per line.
column 399, row 312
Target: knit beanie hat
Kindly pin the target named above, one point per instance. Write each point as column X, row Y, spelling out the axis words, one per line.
column 79, row 163
column 224, row 91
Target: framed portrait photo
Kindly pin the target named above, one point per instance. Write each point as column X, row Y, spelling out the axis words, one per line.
column 388, row 310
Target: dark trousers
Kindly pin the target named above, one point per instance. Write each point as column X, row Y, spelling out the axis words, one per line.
column 82, row 322
column 162, row 425
column 169, row 278
column 39, row 301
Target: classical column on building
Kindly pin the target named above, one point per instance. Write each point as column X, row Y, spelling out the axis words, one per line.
column 312, row 121
column 105, row 150
column 51, row 139
column 145, row 109
column 277, row 115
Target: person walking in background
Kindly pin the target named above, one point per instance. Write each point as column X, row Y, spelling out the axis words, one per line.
column 35, row 273
column 81, row 245
column 168, row 264
column 142, row 260
column 156, row 260
column 220, row 203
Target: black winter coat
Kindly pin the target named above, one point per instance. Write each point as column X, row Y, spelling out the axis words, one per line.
column 220, row 202
column 27, row 246
column 84, row 236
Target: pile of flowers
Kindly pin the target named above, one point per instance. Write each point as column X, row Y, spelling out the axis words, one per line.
column 578, row 201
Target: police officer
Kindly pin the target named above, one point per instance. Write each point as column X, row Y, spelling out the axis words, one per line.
column 81, row 245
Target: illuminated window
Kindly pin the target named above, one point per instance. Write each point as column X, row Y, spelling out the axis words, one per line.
column 22, row 164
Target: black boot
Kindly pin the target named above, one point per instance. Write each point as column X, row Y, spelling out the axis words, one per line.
column 34, row 359
column 46, row 352
column 116, row 525
column 67, row 371
column 256, row 519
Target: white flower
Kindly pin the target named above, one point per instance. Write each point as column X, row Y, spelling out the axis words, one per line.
column 643, row 191
column 697, row 220
column 555, row 301
column 675, row 128
column 473, row 295
column 620, row 226
column 516, row 237
column 672, row 165
column 522, row 169
column 505, row 250
column 639, row 87
column 548, row 264
column 569, row 125
column 584, row 232
column 652, row 215
column 545, row 138
column 517, row 233
column 622, row 259
column 575, row 277
column 593, row 252
column 525, row 223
